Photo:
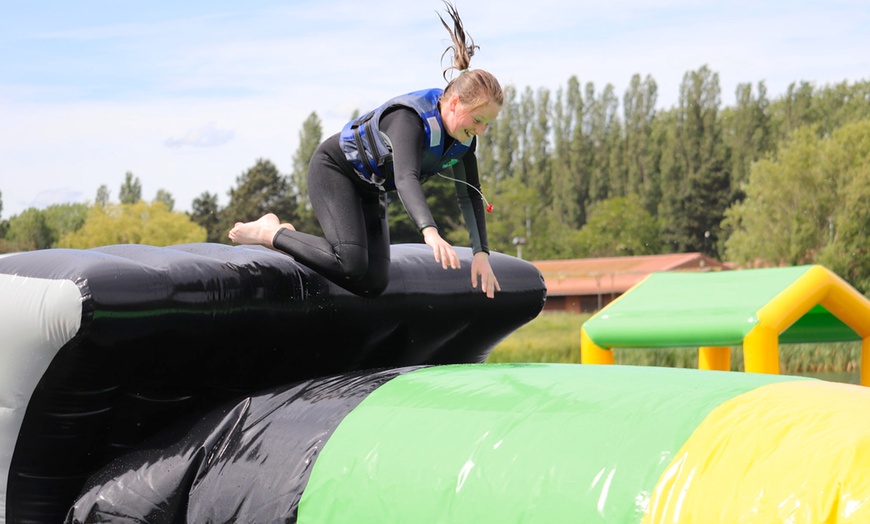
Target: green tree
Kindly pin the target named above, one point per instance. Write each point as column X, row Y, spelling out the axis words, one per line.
column 207, row 214
column 103, row 196
column 30, row 231
column 540, row 172
column 260, row 190
column 4, row 228
column 795, row 109
column 139, row 223
column 617, row 227
column 41, row 229
column 526, row 115
column 615, row 151
column 846, row 163
column 498, row 153
column 165, row 197
column 788, row 211
column 566, row 207
column 697, row 190
column 511, row 218
column 131, row 189
column 309, row 139
column 639, row 105
column 65, row 218
column 842, row 104
column 5, row 245
column 602, row 123
column 441, row 199
column 505, row 141
column 581, row 151
column 747, row 131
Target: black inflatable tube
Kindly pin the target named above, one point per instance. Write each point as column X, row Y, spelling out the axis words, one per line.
column 247, row 461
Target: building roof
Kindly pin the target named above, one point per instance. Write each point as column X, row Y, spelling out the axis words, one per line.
column 594, row 276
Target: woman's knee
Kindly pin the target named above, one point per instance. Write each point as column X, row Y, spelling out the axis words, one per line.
column 367, row 277
column 353, row 261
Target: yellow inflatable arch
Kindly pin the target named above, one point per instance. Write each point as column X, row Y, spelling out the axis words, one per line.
column 755, row 308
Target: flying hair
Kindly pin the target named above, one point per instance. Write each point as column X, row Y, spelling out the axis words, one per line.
column 463, row 47
column 476, row 87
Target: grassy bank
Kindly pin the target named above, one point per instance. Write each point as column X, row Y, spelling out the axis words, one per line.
column 555, row 337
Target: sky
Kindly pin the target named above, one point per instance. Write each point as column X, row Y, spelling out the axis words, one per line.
column 187, row 96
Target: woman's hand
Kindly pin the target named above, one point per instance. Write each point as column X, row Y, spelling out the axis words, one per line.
column 480, row 269
column 444, row 252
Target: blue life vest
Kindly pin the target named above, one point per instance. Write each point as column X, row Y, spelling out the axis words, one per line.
column 368, row 149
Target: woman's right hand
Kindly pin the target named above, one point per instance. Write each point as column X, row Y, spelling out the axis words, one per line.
column 444, row 252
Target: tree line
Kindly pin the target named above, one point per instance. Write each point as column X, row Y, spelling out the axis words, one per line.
column 582, row 172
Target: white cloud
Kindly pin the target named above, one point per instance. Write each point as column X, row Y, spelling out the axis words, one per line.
column 206, row 136
column 188, row 101
column 61, row 195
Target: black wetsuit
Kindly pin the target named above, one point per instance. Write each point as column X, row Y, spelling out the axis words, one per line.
column 355, row 250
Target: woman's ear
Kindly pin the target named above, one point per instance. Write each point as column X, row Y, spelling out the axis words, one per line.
column 451, row 104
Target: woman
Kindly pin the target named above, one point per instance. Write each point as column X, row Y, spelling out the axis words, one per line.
column 397, row 146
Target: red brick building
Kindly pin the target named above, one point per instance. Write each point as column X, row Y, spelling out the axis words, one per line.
column 584, row 285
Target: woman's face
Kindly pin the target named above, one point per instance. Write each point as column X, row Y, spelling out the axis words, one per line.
column 463, row 122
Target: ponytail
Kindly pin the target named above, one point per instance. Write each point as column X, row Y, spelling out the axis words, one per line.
column 477, row 87
column 463, row 45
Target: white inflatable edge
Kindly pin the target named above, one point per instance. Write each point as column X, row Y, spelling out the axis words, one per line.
column 37, row 317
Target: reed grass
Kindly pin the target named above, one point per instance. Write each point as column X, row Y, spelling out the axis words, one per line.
column 555, row 337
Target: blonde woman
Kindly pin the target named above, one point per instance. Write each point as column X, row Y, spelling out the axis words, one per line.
column 397, row 146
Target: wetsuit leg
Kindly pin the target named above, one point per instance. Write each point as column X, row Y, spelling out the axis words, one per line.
column 355, row 250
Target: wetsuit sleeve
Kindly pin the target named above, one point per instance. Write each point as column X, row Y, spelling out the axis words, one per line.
column 407, row 136
column 471, row 201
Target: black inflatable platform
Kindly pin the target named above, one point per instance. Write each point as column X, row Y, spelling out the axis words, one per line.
column 105, row 348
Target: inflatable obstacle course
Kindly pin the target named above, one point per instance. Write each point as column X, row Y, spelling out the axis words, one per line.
column 207, row 383
column 508, row 443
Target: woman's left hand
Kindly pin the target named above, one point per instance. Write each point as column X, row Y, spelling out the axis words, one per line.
column 481, row 270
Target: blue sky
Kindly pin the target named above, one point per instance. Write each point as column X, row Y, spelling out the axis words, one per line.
column 188, row 95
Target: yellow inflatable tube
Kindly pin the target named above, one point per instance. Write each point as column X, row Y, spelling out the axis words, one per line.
column 738, row 467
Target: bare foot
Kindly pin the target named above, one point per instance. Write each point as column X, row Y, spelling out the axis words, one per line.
column 259, row 232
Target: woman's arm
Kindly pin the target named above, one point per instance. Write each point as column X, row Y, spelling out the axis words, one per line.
column 408, row 137
column 471, row 203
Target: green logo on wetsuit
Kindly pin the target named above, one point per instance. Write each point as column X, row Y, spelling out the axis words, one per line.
column 450, row 163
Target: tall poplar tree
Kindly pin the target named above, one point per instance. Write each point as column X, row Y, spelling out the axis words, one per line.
column 603, row 127
column 103, row 196
column 131, row 189
column 505, row 138
column 524, row 135
column 639, row 108
column 165, row 197
column 797, row 109
column 748, row 132
column 696, row 194
column 568, row 113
